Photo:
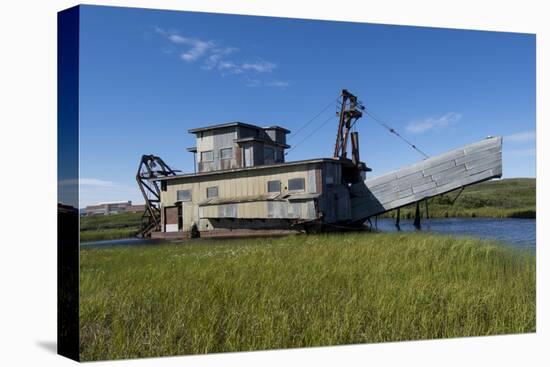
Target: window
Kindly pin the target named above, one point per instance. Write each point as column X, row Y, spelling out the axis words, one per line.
column 279, row 155
column 184, row 195
column 269, row 155
column 248, row 156
column 296, row 184
column 212, row 192
column 274, row 186
column 226, row 153
column 207, row 156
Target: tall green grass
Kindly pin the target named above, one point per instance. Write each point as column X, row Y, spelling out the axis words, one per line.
column 108, row 234
column 101, row 222
column 297, row 291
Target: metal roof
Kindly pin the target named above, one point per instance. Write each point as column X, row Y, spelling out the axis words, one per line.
column 276, row 127
column 236, row 123
column 262, row 167
column 220, row 126
column 254, row 138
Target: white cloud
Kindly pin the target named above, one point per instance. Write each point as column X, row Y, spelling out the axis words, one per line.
column 259, row 67
column 176, row 38
column 87, row 182
column 420, row 126
column 254, row 82
column 215, row 57
column 278, row 83
column 521, row 137
column 198, row 49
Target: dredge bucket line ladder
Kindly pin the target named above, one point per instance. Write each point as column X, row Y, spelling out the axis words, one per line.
column 151, row 167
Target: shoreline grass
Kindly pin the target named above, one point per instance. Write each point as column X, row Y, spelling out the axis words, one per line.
column 109, row 227
column 108, row 234
column 298, row 291
column 506, row 198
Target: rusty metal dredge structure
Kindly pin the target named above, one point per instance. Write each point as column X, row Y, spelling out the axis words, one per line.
column 243, row 184
column 151, row 167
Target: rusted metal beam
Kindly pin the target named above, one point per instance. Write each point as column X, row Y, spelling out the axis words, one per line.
column 151, row 167
column 350, row 112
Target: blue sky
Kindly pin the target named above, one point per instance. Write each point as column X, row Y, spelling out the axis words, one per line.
column 147, row 76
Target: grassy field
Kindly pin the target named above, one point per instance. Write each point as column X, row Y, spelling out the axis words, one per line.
column 298, row 291
column 507, row 198
column 109, row 227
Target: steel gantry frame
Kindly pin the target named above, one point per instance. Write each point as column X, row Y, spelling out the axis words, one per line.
column 151, row 167
column 350, row 112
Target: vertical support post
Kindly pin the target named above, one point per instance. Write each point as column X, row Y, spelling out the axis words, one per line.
column 341, row 123
column 427, row 212
column 355, row 148
column 417, row 216
column 398, row 219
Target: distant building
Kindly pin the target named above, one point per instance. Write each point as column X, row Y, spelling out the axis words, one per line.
column 135, row 208
column 116, row 207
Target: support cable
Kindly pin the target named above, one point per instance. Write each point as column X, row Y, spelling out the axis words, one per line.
column 310, row 134
column 312, row 119
column 393, row 131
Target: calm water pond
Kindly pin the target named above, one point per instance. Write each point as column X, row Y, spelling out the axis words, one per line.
column 120, row 242
column 518, row 232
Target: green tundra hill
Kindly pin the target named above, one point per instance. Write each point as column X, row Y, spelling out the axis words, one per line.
column 109, row 227
column 505, row 198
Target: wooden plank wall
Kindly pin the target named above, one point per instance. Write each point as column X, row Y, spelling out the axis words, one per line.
column 243, row 184
column 433, row 176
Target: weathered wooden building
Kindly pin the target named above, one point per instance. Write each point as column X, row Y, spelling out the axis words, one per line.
column 237, row 145
column 241, row 182
column 282, row 195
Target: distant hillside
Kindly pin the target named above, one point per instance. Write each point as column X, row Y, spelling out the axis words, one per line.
column 109, row 227
column 506, row 198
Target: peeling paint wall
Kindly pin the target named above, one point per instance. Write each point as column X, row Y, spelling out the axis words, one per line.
column 214, row 141
column 241, row 185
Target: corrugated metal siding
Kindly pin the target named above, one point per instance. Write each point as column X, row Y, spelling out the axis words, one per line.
column 244, row 184
column 261, row 210
column 460, row 167
column 214, row 141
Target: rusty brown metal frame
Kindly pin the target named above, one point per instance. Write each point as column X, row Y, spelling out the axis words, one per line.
column 350, row 112
column 151, row 167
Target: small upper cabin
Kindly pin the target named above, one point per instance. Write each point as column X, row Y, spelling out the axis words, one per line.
column 236, row 145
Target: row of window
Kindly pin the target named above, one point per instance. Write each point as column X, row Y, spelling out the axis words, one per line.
column 208, row 155
column 294, row 184
column 227, row 153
